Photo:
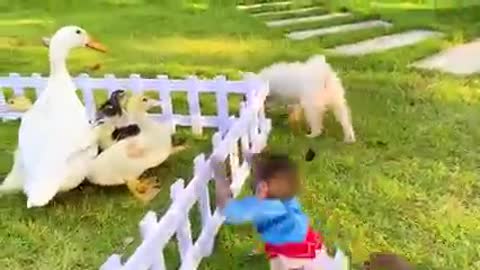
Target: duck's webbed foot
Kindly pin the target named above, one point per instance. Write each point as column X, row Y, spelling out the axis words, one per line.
column 178, row 148
column 144, row 190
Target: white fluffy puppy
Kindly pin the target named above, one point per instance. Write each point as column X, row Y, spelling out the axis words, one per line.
column 314, row 87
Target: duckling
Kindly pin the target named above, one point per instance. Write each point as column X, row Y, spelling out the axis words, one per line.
column 109, row 116
column 125, row 160
column 19, row 104
column 112, row 121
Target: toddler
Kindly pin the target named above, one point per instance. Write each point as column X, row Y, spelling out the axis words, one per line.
column 290, row 242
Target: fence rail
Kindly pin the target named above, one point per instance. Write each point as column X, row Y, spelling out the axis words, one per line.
column 162, row 85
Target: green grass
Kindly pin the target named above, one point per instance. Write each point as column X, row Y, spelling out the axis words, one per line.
column 402, row 4
column 409, row 185
column 291, row 14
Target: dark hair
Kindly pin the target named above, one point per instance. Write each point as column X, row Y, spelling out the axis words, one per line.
column 280, row 174
column 384, row 260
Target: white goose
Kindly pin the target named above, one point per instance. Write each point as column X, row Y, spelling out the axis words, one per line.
column 55, row 140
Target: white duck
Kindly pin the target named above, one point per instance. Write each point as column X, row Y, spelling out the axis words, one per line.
column 55, row 140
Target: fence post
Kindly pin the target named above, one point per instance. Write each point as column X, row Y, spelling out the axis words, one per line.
column 183, row 231
column 194, row 105
column 84, row 83
column 111, row 83
column 251, row 86
column 166, row 99
column 135, row 83
column 37, row 83
column 234, row 165
column 264, row 124
column 147, row 227
column 114, row 262
column 256, row 91
column 204, row 198
column 17, row 87
column 221, row 95
column 245, row 142
column 216, row 139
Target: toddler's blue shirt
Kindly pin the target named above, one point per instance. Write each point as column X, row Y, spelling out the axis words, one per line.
column 277, row 221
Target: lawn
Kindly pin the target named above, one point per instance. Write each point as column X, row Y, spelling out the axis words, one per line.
column 409, row 185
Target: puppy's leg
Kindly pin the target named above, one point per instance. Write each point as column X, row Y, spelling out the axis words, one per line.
column 314, row 117
column 295, row 116
column 342, row 114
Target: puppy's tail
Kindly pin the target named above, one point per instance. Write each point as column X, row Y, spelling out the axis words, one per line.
column 332, row 82
column 318, row 64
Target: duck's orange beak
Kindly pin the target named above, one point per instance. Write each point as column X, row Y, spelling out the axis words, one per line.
column 93, row 44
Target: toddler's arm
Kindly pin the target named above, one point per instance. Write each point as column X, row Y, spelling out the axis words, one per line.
column 252, row 209
column 222, row 184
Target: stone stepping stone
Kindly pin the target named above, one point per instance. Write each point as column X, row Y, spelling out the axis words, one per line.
column 318, row 18
column 272, row 4
column 304, row 34
column 288, row 12
column 460, row 60
column 385, row 43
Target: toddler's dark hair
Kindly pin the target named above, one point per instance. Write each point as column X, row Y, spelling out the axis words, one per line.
column 279, row 172
column 385, row 260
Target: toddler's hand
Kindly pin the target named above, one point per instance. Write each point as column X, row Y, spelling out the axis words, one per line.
column 222, row 185
column 222, row 193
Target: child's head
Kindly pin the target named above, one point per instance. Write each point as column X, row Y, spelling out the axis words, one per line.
column 275, row 177
column 384, row 260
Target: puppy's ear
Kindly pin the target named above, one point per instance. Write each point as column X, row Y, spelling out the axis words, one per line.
column 46, row 41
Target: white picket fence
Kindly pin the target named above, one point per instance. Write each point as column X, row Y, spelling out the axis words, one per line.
column 237, row 138
column 164, row 86
column 246, row 135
